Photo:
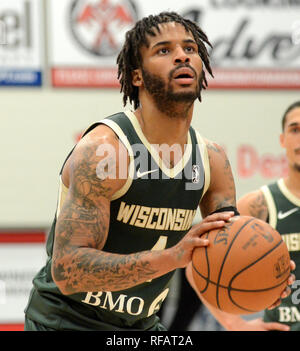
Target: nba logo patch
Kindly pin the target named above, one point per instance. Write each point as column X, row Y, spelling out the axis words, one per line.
column 195, row 174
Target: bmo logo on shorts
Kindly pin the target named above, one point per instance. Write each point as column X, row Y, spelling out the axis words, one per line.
column 121, row 303
column 99, row 26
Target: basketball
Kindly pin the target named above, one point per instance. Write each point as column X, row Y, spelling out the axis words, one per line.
column 245, row 267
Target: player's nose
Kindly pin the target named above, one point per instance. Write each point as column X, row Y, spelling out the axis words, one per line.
column 180, row 56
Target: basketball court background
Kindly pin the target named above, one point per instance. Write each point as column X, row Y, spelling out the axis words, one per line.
column 57, row 76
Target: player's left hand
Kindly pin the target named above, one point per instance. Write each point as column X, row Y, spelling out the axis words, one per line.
column 287, row 291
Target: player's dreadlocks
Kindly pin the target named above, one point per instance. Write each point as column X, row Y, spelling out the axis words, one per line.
column 130, row 59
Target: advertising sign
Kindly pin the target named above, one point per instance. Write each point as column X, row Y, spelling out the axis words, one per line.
column 22, row 254
column 20, row 43
column 256, row 44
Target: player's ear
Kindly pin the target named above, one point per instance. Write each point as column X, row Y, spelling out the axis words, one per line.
column 137, row 78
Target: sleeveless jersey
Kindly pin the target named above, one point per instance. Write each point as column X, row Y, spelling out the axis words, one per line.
column 284, row 216
column 152, row 211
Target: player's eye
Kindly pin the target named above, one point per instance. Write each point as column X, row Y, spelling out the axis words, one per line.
column 190, row 49
column 163, row 51
column 295, row 130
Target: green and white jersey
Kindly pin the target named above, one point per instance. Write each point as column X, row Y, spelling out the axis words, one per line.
column 284, row 216
column 153, row 211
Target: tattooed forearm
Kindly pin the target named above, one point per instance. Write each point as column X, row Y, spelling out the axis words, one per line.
column 79, row 266
column 221, row 202
column 227, row 198
column 221, row 192
column 91, row 270
column 258, row 207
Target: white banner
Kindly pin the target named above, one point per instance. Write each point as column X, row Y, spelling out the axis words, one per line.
column 256, row 44
column 21, row 256
column 21, row 34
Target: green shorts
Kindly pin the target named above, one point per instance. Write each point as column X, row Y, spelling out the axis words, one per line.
column 31, row 325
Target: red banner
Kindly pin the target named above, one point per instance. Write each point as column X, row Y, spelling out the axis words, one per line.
column 223, row 78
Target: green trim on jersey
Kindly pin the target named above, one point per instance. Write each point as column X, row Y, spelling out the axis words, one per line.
column 284, row 216
column 153, row 211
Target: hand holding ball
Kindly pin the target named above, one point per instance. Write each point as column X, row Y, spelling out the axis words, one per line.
column 245, row 267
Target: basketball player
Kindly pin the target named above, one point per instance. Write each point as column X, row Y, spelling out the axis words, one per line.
column 123, row 222
column 279, row 205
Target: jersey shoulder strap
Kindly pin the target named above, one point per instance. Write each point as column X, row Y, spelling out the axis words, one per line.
column 268, row 192
column 278, row 198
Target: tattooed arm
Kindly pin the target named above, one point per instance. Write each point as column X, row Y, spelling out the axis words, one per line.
column 221, row 192
column 253, row 204
column 79, row 264
column 82, row 227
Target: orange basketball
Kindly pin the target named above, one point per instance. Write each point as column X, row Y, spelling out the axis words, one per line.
column 244, row 268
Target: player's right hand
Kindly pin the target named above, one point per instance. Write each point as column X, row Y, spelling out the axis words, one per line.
column 287, row 291
column 184, row 249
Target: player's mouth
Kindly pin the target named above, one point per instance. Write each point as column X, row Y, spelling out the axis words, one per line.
column 184, row 76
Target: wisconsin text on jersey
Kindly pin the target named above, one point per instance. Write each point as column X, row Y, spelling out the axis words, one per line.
column 156, row 218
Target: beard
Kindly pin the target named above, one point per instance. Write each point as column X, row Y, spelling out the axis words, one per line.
column 165, row 99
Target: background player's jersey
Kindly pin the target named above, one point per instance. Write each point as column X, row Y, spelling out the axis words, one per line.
column 153, row 211
column 284, row 216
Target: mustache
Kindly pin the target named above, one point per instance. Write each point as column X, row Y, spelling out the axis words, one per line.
column 182, row 65
column 297, row 151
